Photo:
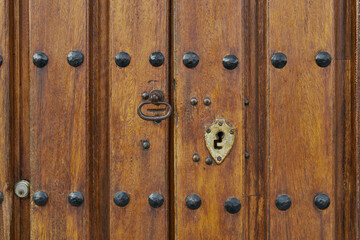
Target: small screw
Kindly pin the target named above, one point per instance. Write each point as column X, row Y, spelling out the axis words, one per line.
column 219, row 158
column 232, row 131
column 247, row 155
column 145, row 95
column 246, row 102
column 208, row 161
column 194, row 101
column 207, row 101
column 146, row 145
column 196, row 158
column 208, row 130
column 220, row 123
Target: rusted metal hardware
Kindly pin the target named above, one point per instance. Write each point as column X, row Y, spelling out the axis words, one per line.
column 40, row 198
column 76, row 199
column 156, row 98
column 156, row 200
column 219, row 139
column 193, row 201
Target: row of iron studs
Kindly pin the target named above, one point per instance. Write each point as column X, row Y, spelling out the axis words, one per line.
column 190, row 59
column 122, row 59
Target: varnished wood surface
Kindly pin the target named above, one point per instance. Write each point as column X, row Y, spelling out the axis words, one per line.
column 300, row 127
column 212, row 30
column 302, row 119
column 6, row 167
column 139, row 28
column 59, row 118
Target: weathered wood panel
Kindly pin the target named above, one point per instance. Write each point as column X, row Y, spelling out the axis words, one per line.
column 138, row 28
column 212, row 30
column 302, row 127
column 59, row 119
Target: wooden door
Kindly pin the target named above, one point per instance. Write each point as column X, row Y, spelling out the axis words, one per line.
column 179, row 119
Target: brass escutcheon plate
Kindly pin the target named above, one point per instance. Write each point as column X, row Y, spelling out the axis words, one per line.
column 219, row 139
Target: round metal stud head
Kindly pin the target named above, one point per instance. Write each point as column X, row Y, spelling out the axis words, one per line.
column 156, row 200
column 283, row 202
column 156, row 59
column 208, row 160
column 1, row 197
column 40, row 59
column 145, row 96
column 322, row 201
column 121, row 199
column 279, row 60
column 1, row 60
column 122, row 59
column 247, row 155
column 193, row 201
column 146, row 145
column 76, row 199
column 190, row 59
column 230, row 62
column 40, row 198
column 207, row 101
column 194, row 101
column 323, row 59
column 22, row 189
column 233, row 205
column 75, row 58
column 196, row 158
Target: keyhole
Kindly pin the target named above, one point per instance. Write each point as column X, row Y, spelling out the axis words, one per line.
column 220, row 136
column 21, row 192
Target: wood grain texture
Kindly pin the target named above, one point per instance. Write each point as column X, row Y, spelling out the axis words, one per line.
column 6, row 167
column 59, row 119
column 139, row 28
column 302, row 118
column 212, row 30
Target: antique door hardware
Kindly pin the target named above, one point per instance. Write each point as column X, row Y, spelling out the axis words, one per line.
column 22, row 189
column 219, row 139
column 156, row 97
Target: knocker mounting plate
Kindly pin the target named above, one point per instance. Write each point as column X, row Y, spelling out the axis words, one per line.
column 219, row 139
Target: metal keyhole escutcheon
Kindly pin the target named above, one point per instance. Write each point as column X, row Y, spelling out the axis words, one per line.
column 156, row 97
column 22, row 189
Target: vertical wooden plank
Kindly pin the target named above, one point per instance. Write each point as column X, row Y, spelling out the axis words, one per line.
column 138, row 28
column 211, row 29
column 6, row 170
column 302, row 128
column 59, row 119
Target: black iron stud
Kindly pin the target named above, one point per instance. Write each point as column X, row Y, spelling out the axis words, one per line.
column 145, row 96
column 247, row 155
column 75, row 58
column 122, row 59
column 40, row 198
column 76, row 199
column 208, row 160
column 156, row 200
column 193, row 201
column 279, row 60
column 230, row 62
column 322, row 201
column 283, row 202
column 196, row 158
column 1, row 197
column 121, row 199
column 190, row 60
column 156, row 59
column 1, row 60
column 233, row 205
column 246, row 101
column 146, row 145
column 194, row 101
column 207, row 101
column 323, row 59
column 40, row 59
column 232, row 131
